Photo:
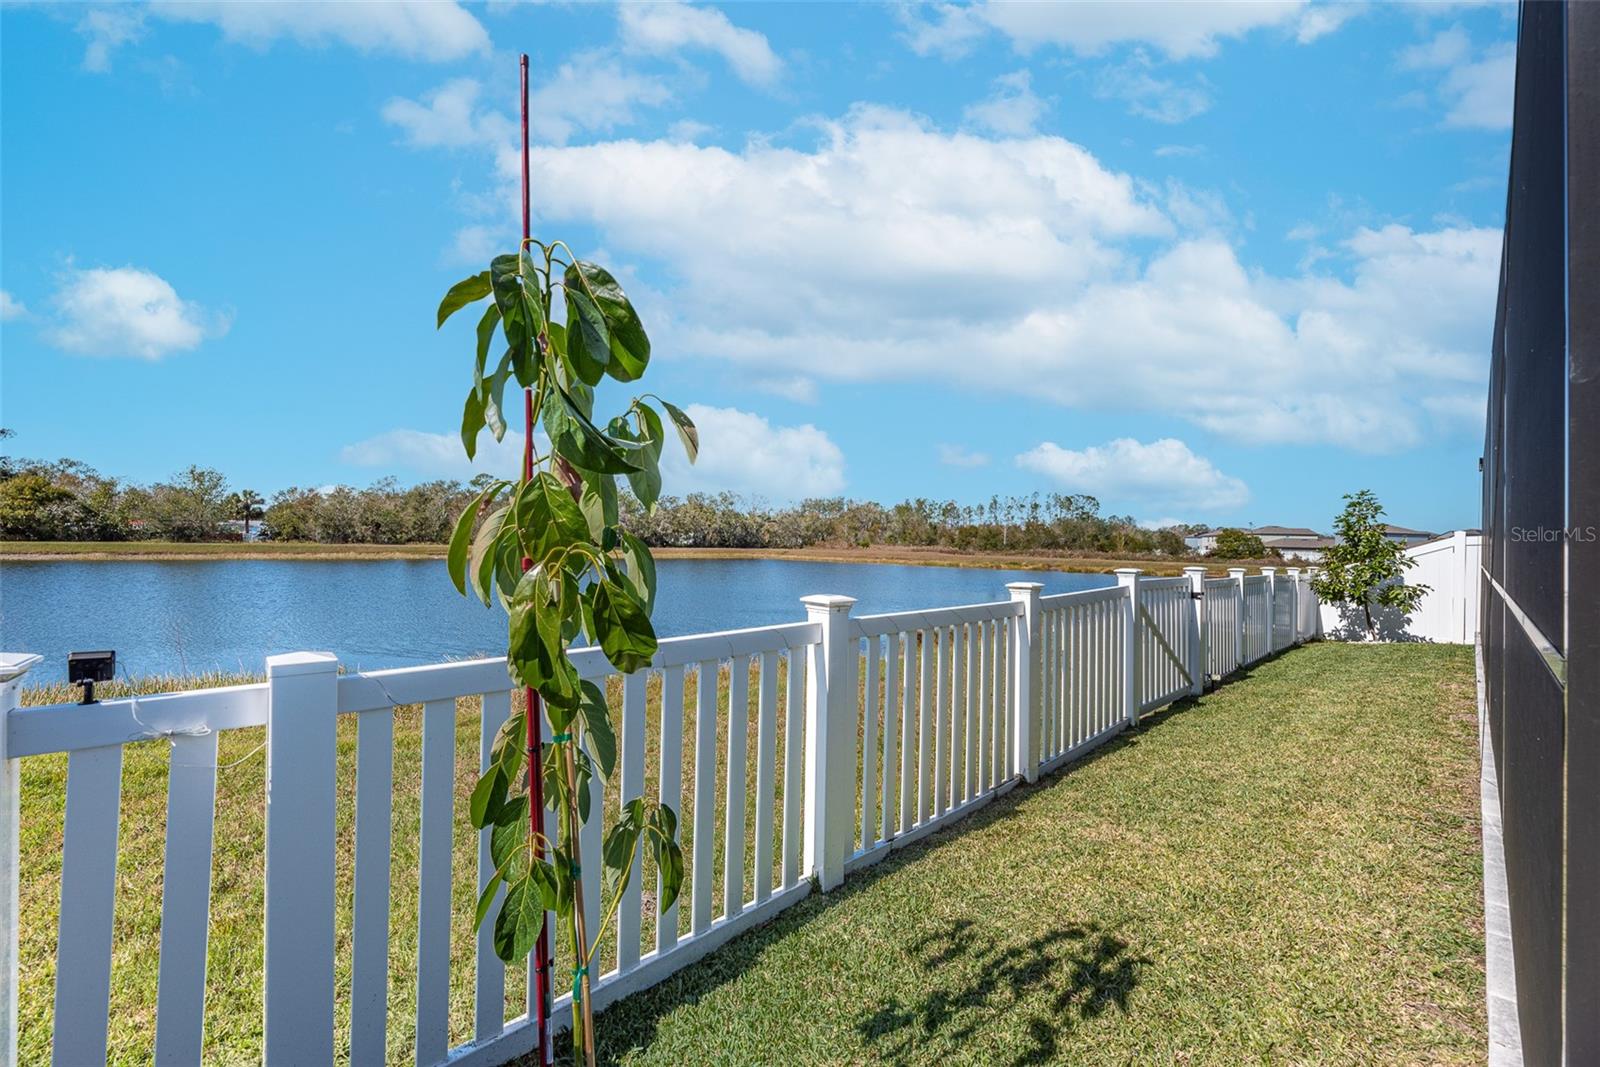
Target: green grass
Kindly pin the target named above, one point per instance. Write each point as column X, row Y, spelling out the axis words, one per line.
column 1284, row 872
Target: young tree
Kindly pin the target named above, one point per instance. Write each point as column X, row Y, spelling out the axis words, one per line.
column 1236, row 544
column 549, row 546
column 247, row 505
column 1365, row 567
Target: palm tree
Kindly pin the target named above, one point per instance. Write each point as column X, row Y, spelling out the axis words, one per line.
column 249, row 507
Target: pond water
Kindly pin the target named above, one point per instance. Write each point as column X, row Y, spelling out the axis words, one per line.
column 180, row 617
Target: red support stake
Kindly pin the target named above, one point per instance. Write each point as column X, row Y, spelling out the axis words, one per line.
column 541, row 953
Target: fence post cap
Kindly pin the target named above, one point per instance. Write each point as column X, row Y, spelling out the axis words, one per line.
column 1194, row 570
column 1023, row 587
column 292, row 663
column 1127, row 570
column 1269, row 571
column 16, row 664
column 1293, row 572
column 1236, row 571
column 828, row 601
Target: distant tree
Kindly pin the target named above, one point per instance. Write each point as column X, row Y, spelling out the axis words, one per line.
column 1365, row 567
column 246, row 505
column 32, row 508
column 190, row 507
column 1237, row 544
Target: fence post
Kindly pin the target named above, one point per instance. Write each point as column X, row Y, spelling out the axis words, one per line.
column 1239, row 627
column 1197, row 643
column 1024, row 682
column 1294, row 605
column 830, row 740
column 13, row 665
column 1128, row 579
column 302, row 708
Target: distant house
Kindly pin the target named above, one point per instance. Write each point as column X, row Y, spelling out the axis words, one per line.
column 1407, row 537
column 1299, row 542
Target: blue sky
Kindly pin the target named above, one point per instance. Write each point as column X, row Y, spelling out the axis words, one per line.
column 1210, row 262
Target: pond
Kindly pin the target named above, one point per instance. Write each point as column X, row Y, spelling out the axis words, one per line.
column 227, row 615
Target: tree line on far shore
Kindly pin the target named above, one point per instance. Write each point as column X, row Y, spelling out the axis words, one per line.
column 67, row 500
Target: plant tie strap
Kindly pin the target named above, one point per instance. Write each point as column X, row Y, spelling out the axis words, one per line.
column 577, row 871
column 577, row 986
column 560, row 738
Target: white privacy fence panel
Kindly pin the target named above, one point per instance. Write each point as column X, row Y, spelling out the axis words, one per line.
column 791, row 753
column 1448, row 612
column 1166, row 641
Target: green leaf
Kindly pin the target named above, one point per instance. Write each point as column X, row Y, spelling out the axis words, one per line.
column 486, row 898
column 596, row 717
column 629, row 346
column 506, row 839
column 488, row 796
column 599, row 502
column 576, row 439
column 646, row 481
column 622, row 626
column 520, row 920
column 521, row 302
column 461, row 537
column 548, row 517
column 650, row 429
column 687, row 433
column 510, row 745
column 463, row 293
column 493, row 401
column 588, row 341
column 472, row 420
column 480, row 564
column 640, row 568
column 486, row 325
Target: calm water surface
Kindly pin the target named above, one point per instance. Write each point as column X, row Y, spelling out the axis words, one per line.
column 175, row 617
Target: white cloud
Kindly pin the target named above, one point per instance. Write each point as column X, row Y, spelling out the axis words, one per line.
column 1476, row 86
column 1151, row 97
column 960, row 456
column 436, row 455
column 589, row 92
column 473, row 246
column 1013, row 110
column 108, row 28
column 11, row 307
column 437, row 31
column 1167, row 150
column 1163, row 473
column 1180, row 29
column 449, row 118
column 1322, row 19
column 688, row 130
column 668, row 27
column 744, row 453
column 125, row 311
column 891, row 250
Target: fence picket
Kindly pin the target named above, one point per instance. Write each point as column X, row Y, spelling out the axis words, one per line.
column 489, row 973
column 88, row 895
column 705, row 785
column 958, row 716
column 766, row 765
column 925, row 739
column 891, row 735
column 793, row 767
column 186, row 899
column 631, row 785
column 433, row 880
column 671, row 787
column 734, row 819
column 369, row 923
column 869, row 747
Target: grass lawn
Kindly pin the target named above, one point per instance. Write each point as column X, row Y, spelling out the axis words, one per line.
column 1285, row 872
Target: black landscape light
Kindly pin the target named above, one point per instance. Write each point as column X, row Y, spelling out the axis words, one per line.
column 87, row 668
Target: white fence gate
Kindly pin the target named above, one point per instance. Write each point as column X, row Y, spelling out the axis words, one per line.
column 891, row 726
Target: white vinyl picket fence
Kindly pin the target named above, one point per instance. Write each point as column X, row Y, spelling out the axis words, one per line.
column 892, row 726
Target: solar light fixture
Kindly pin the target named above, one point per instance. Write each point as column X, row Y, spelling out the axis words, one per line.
column 87, row 668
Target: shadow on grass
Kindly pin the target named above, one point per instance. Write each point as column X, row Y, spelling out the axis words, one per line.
column 1095, row 963
column 1055, row 980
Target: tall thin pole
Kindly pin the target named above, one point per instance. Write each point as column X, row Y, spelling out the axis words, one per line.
column 541, row 952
